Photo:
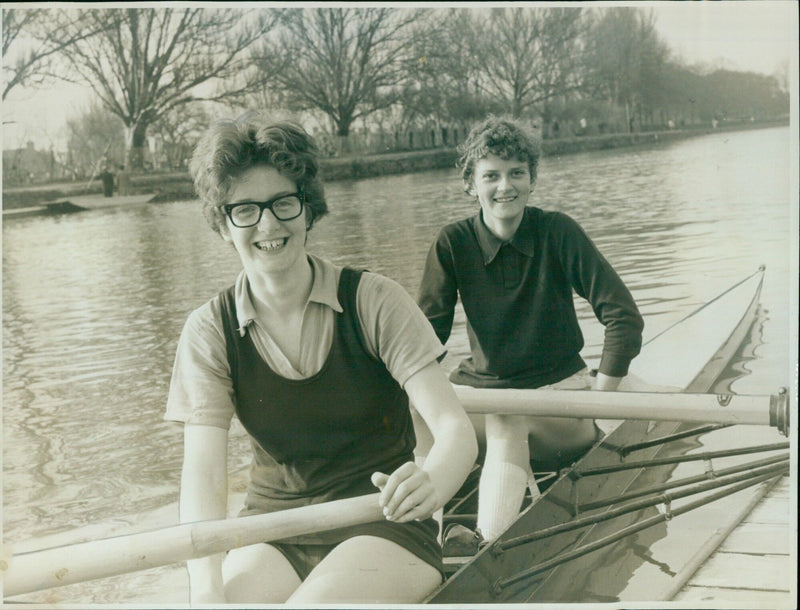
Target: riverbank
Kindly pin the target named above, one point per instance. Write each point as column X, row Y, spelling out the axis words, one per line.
column 177, row 186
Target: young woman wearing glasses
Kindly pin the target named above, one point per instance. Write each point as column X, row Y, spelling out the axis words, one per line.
column 318, row 362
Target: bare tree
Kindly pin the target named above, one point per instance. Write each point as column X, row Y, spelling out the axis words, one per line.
column 179, row 131
column 144, row 63
column 442, row 82
column 95, row 136
column 782, row 74
column 346, row 62
column 30, row 45
column 527, row 56
column 626, row 58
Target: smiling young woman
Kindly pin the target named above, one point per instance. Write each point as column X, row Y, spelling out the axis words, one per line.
column 502, row 187
column 515, row 268
column 268, row 246
column 319, row 363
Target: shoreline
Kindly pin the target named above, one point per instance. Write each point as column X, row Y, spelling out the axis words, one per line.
column 177, row 186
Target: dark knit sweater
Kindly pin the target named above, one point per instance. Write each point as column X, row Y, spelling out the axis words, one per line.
column 518, row 299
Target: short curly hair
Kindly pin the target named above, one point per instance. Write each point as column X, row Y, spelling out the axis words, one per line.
column 504, row 137
column 231, row 146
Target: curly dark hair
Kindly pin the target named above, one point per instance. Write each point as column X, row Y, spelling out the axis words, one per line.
column 504, row 137
column 231, row 146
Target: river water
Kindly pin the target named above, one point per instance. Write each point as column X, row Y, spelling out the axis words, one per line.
column 93, row 303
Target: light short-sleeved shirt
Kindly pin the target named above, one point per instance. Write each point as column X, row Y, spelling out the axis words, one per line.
column 393, row 327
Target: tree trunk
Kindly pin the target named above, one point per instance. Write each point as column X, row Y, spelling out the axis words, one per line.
column 343, row 137
column 135, row 144
column 516, row 108
column 547, row 120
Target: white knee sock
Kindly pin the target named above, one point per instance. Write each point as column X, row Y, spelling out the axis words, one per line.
column 500, row 495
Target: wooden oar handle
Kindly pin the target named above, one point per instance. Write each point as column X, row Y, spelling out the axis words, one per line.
column 766, row 410
column 54, row 567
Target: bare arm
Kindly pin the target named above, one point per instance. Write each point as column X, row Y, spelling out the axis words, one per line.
column 204, row 495
column 411, row 492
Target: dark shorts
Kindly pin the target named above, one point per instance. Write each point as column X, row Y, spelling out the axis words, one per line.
column 420, row 538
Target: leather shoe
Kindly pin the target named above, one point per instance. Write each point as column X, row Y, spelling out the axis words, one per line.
column 460, row 541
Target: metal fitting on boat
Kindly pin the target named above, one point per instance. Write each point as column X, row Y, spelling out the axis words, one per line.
column 779, row 411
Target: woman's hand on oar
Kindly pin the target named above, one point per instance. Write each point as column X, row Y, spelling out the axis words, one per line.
column 407, row 494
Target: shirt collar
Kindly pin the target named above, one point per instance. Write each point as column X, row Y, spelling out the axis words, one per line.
column 324, row 290
column 522, row 241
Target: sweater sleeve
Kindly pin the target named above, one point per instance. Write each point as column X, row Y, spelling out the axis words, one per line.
column 595, row 280
column 438, row 291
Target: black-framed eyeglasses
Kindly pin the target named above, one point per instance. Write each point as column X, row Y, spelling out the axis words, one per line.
column 248, row 213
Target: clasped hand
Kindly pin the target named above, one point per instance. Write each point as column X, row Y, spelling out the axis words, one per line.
column 407, row 494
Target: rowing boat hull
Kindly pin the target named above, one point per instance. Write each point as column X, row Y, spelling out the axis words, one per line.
column 643, row 566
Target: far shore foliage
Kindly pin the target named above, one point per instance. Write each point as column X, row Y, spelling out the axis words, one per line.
column 367, row 79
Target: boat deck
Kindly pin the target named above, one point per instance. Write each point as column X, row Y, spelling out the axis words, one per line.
column 755, row 566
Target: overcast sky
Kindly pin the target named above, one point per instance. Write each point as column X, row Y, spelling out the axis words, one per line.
column 750, row 35
column 753, row 35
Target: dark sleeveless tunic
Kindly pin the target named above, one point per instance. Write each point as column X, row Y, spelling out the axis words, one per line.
column 320, row 438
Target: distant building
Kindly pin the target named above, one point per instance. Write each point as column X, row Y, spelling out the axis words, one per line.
column 30, row 166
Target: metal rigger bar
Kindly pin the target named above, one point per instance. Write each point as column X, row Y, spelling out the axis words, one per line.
column 708, row 455
column 670, row 512
column 735, row 475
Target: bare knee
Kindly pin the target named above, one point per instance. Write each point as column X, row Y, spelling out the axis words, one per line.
column 258, row 574
column 368, row 570
column 506, row 428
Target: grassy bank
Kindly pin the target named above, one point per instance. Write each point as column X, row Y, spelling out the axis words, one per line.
column 176, row 186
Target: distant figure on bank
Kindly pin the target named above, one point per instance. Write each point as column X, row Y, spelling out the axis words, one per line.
column 123, row 181
column 515, row 268
column 318, row 362
column 107, row 177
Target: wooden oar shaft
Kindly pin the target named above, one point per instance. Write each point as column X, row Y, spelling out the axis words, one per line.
column 673, row 406
column 54, row 567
